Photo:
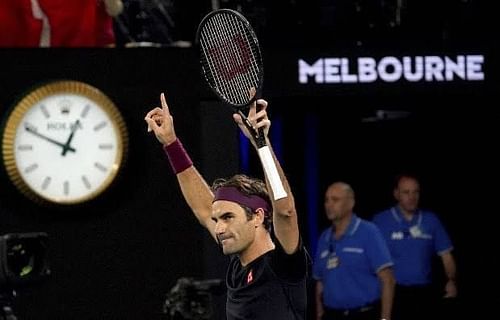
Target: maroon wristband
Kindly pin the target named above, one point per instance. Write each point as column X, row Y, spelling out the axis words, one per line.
column 178, row 157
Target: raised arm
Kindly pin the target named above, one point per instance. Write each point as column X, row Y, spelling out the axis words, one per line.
column 194, row 188
column 285, row 222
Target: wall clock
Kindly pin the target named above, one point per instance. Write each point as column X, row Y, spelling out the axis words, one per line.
column 64, row 143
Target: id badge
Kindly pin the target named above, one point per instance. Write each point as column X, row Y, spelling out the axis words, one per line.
column 332, row 262
column 415, row 232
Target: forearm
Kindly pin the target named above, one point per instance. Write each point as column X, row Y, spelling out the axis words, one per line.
column 197, row 194
column 286, row 205
column 450, row 270
column 386, row 301
column 388, row 284
column 195, row 190
column 285, row 219
column 318, row 295
column 449, row 265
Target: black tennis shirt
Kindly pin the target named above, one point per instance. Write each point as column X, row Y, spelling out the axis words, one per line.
column 272, row 287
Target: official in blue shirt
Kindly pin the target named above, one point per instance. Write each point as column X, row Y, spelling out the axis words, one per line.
column 414, row 236
column 352, row 267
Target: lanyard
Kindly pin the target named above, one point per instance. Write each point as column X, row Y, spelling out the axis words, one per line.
column 332, row 243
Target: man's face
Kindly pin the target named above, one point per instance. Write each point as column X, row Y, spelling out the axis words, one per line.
column 408, row 194
column 234, row 231
column 338, row 203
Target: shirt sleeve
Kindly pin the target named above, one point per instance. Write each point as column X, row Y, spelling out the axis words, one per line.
column 442, row 242
column 377, row 250
column 291, row 267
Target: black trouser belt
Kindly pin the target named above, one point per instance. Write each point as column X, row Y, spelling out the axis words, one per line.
column 346, row 312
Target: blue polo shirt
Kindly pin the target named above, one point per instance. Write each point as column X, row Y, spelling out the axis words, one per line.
column 348, row 267
column 413, row 243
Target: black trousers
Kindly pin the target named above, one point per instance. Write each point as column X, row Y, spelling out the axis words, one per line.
column 371, row 312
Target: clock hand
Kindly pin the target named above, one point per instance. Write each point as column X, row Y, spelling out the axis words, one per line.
column 66, row 146
column 36, row 133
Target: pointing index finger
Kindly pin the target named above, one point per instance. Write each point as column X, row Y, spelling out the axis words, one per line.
column 164, row 104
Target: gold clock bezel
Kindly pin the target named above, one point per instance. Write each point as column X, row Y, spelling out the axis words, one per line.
column 34, row 97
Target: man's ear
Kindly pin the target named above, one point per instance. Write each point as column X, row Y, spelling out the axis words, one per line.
column 395, row 193
column 353, row 203
column 259, row 216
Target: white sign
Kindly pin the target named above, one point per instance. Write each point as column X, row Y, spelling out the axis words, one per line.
column 392, row 69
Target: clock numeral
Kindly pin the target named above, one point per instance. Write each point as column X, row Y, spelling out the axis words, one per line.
column 100, row 126
column 25, row 147
column 31, row 168
column 106, row 146
column 44, row 111
column 86, row 182
column 46, row 182
column 100, row 167
column 85, row 111
column 66, row 187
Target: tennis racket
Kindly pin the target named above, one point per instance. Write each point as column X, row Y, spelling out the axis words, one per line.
column 232, row 65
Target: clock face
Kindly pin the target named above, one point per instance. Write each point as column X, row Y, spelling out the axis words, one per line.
column 64, row 143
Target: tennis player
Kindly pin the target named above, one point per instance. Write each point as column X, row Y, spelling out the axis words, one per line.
column 266, row 276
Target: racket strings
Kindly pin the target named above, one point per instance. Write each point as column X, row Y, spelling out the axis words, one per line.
column 251, row 76
column 243, row 79
column 230, row 58
column 222, row 62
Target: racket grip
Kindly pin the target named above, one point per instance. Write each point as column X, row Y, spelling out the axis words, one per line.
column 272, row 173
column 260, row 139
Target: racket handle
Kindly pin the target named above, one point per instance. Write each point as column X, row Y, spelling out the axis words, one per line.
column 272, row 172
column 258, row 136
column 260, row 139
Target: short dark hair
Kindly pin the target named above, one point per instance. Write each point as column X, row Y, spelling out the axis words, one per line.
column 404, row 175
column 250, row 187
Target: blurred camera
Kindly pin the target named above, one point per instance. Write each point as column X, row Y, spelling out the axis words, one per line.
column 23, row 259
column 192, row 299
